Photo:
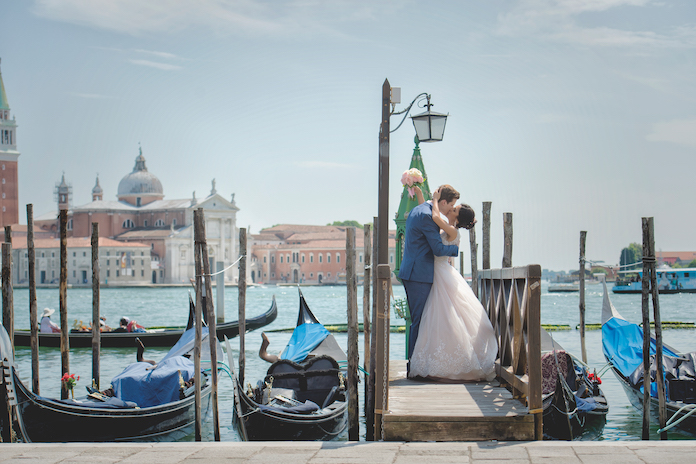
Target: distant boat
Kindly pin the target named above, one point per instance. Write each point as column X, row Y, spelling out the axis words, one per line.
column 564, row 287
column 668, row 281
column 162, row 336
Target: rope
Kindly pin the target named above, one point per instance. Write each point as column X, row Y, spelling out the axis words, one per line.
column 670, row 424
column 220, row 272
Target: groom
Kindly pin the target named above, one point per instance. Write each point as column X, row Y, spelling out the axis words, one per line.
column 421, row 244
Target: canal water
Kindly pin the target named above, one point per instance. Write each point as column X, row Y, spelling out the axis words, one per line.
column 169, row 306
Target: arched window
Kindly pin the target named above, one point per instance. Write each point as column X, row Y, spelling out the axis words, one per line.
column 281, row 259
column 174, row 222
column 328, row 257
column 69, row 220
column 311, row 257
column 273, row 259
column 159, row 223
column 338, row 257
column 303, row 257
column 128, row 224
column 320, row 257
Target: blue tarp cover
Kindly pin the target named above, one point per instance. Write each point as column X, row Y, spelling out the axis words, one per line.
column 148, row 386
column 304, row 339
column 622, row 342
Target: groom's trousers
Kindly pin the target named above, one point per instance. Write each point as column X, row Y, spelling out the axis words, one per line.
column 416, row 295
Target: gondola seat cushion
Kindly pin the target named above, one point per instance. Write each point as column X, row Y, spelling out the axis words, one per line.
column 312, row 380
column 549, row 371
column 148, row 386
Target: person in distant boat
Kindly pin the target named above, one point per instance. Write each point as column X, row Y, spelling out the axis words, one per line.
column 263, row 354
column 132, row 326
column 47, row 325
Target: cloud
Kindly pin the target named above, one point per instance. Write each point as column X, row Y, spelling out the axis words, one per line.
column 556, row 20
column 137, row 17
column 678, row 131
column 165, row 55
column 93, row 96
column 155, row 64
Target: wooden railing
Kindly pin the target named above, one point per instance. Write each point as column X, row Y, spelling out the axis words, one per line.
column 512, row 299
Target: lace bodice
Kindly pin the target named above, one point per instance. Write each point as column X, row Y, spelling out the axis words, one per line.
column 443, row 234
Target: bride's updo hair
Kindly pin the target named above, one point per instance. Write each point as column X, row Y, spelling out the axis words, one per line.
column 466, row 217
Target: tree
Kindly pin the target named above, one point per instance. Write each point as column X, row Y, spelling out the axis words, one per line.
column 346, row 224
column 692, row 263
column 632, row 254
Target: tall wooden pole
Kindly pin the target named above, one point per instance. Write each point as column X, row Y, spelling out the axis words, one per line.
column 474, row 261
column 646, row 337
column 367, row 281
column 63, row 301
column 7, row 304
column 33, row 316
column 212, row 332
column 242, row 301
column 352, row 320
column 583, row 237
column 370, row 403
column 96, row 326
column 8, row 234
column 507, row 235
column 648, row 223
column 486, row 229
column 220, row 291
column 198, row 324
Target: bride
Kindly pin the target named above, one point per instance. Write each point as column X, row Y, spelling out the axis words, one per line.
column 456, row 340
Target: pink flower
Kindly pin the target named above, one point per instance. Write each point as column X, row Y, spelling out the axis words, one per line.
column 411, row 178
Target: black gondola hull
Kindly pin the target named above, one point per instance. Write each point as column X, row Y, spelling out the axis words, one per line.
column 279, row 426
column 158, row 337
column 46, row 420
column 635, row 397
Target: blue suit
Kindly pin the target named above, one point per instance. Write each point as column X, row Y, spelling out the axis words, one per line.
column 421, row 244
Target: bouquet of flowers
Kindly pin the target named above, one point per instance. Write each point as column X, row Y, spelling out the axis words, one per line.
column 68, row 381
column 412, row 178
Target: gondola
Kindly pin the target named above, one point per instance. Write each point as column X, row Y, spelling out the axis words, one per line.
column 574, row 404
column 151, row 403
column 161, row 336
column 303, row 395
column 622, row 343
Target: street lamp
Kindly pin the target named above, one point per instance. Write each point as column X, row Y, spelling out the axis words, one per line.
column 429, row 127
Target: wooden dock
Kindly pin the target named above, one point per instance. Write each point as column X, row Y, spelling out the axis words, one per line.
column 433, row 411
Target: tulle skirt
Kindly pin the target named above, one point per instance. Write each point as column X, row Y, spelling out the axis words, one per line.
column 455, row 340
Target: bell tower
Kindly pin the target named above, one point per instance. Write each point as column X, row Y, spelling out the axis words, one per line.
column 9, row 188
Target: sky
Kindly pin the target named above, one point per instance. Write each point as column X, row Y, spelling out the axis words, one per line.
column 573, row 115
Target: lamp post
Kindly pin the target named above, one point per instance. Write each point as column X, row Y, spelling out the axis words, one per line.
column 429, row 127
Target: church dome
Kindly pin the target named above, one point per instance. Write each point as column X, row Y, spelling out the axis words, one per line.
column 140, row 182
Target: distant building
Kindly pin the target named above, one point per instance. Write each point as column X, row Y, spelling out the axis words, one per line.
column 681, row 258
column 141, row 215
column 290, row 253
column 119, row 263
column 9, row 197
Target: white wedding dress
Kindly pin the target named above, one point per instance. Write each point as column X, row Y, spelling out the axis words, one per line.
column 455, row 340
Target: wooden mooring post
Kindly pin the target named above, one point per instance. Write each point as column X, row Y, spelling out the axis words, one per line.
column 367, row 282
column 370, row 403
column 63, row 302
column 583, row 350
column 241, row 286
column 198, row 324
column 7, row 306
column 474, row 260
column 96, row 326
column 352, row 321
column 486, row 230
column 33, row 316
column 649, row 285
column 507, row 236
column 212, row 332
